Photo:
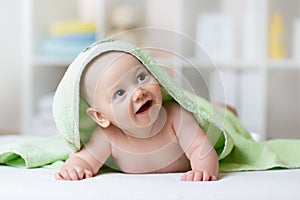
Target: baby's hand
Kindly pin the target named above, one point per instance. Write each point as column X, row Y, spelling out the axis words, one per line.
column 73, row 173
column 196, row 175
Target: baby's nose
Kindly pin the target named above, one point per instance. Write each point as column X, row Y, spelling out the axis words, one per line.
column 138, row 94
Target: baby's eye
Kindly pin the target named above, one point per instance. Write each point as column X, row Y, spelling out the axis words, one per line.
column 140, row 77
column 119, row 93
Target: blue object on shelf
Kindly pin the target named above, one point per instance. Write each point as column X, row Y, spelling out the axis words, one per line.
column 67, row 46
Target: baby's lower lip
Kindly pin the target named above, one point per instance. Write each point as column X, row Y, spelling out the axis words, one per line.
column 145, row 111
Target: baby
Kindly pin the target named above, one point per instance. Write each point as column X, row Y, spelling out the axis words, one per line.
column 142, row 134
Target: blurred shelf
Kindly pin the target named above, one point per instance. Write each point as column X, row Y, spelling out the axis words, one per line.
column 190, row 62
column 44, row 61
column 234, row 64
column 283, row 64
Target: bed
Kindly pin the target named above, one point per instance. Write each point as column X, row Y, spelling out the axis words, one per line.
column 20, row 183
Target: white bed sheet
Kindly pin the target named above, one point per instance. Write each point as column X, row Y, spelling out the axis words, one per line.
column 19, row 183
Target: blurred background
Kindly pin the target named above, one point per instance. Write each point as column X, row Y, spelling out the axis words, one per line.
column 245, row 53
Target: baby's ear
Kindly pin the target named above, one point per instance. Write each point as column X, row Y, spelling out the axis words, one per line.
column 98, row 117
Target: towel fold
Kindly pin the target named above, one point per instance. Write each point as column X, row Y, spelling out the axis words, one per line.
column 236, row 149
column 35, row 152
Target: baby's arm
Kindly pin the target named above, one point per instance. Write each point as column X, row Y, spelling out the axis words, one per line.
column 197, row 147
column 86, row 162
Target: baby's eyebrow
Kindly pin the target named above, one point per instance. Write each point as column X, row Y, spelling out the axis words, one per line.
column 139, row 68
column 134, row 71
column 113, row 87
column 110, row 90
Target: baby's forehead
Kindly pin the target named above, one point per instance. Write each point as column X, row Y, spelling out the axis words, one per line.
column 105, row 59
column 100, row 63
column 110, row 64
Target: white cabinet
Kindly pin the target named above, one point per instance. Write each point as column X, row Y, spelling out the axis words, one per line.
column 237, row 69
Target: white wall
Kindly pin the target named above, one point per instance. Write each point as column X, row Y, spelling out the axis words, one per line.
column 10, row 65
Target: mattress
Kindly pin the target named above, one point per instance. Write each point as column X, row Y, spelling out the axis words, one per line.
column 39, row 183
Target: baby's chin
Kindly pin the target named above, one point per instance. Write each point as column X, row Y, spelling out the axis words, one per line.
column 158, row 114
column 154, row 112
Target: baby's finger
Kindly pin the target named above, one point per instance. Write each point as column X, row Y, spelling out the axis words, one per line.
column 214, row 178
column 58, row 176
column 72, row 174
column 198, row 176
column 65, row 175
column 80, row 173
column 88, row 173
column 183, row 177
column 190, row 176
column 206, row 176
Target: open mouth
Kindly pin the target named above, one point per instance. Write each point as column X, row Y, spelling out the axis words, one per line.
column 145, row 107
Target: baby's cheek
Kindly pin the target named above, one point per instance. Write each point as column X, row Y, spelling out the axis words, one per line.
column 120, row 113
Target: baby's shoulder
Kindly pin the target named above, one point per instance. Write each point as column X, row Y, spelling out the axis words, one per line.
column 172, row 107
column 174, row 110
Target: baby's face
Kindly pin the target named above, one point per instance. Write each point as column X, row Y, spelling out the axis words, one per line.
column 127, row 94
